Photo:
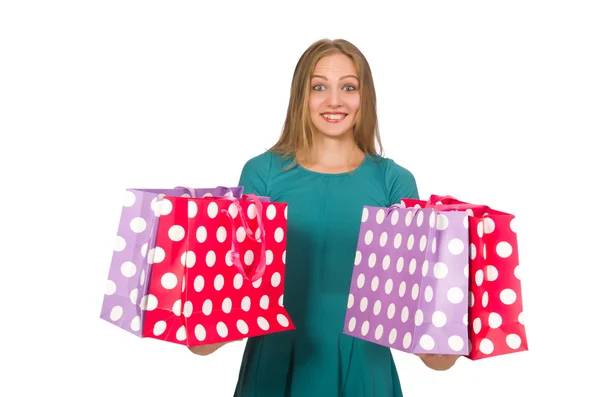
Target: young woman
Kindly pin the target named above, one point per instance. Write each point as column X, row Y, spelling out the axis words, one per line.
column 326, row 166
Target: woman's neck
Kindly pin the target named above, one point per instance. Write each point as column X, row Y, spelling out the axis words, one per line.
column 332, row 155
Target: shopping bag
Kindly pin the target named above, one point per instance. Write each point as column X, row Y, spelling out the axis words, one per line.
column 221, row 274
column 135, row 252
column 409, row 285
column 496, row 324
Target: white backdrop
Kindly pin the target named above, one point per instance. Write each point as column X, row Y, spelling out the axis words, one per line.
column 491, row 102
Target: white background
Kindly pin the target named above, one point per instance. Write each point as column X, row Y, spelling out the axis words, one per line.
column 491, row 102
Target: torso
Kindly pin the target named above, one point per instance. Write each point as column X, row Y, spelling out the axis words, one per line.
column 317, row 359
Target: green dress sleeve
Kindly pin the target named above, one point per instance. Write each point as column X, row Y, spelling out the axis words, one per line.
column 255, row 175
column 400, row 182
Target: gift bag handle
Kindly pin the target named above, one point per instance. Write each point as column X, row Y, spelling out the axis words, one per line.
column 441, row 198
column 229, row 191
column 454, row 204
column 394, row 207
column 454, row 207
column 439, row 207
column 189, row 189
column 193, row 191
column 259, row 270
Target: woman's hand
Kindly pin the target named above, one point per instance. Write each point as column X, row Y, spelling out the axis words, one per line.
column 205, row 350
column 439, row 362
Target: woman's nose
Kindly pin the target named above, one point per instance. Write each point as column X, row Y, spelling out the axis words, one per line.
column 334, row 99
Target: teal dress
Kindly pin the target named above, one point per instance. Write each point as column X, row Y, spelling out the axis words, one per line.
column 324, row 215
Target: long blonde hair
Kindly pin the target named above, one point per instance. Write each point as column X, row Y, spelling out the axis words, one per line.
column 298, row 129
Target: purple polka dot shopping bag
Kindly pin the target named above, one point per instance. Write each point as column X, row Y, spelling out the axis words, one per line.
column 410, row 280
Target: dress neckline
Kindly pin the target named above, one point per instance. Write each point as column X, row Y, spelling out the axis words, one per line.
column 335, row 174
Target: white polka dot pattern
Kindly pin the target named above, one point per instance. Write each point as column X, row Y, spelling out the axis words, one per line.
column 496, row 320
column 135, row 252
column 193, row 245
column 418, row 305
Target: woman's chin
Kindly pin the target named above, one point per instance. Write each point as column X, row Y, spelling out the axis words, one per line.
column 335, row 131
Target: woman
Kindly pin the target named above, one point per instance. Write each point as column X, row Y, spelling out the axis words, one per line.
column 326, row 167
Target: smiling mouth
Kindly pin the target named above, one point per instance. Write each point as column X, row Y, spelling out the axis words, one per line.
column 334, row 117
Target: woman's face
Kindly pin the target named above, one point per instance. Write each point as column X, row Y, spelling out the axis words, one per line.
column 334, row 99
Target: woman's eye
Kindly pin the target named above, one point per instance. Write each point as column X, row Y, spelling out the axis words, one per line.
column 320, row 87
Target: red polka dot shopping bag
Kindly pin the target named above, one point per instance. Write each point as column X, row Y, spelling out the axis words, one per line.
column 213, row 271
column 135, row 253
column 495, row 317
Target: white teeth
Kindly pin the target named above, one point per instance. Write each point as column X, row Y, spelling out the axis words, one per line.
column 334, row 116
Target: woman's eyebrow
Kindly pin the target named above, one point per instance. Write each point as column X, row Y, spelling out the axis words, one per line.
column 341, row 78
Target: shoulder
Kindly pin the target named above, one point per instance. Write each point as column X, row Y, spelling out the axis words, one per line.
column 260, row 162
column 394, row 170
column 391, row 170
column 400, row 182
column 256, row 173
